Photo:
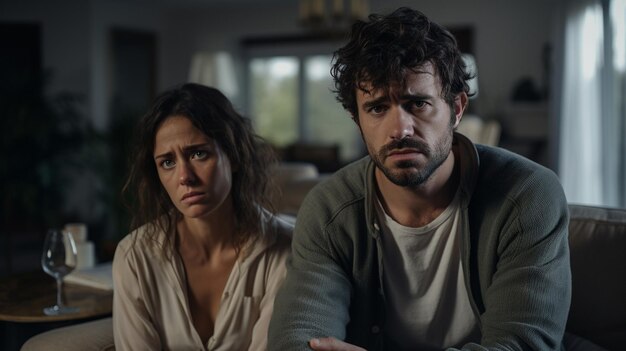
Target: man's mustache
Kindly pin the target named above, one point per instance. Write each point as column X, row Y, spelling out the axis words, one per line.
column 403, row 143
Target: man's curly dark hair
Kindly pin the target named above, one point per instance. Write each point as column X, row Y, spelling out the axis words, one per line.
column 382, row 50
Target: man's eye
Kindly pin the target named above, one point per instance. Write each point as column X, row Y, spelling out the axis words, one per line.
column 417, row 104
column 377, row 110
column 199, row 155
column 168, row 164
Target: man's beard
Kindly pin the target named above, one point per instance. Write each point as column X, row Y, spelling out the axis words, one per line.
column 410, row 173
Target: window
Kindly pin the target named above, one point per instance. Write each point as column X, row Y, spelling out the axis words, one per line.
column 273, row 90
column 593, row 113
column 290, row 99
column 327, row 121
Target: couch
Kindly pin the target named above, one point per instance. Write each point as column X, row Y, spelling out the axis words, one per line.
column 597, row 238
column 598, row 308
column 293, row 180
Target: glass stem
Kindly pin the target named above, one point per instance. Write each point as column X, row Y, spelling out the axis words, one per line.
column 59, row 291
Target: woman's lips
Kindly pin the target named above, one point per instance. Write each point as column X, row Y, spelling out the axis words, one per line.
column 192, row 197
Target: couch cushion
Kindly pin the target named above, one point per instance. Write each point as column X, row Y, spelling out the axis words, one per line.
column 597, row 238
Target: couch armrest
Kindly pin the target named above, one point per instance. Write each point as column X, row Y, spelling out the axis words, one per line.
column 597, row 238
column 89, row 336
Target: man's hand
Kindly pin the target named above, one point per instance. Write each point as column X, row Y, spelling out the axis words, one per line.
column 332, row 344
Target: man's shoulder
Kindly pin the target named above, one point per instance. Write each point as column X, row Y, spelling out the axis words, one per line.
column 338, row 199
column 496, row 158
column 498, row 165
column 506, row 176
column 345, row 185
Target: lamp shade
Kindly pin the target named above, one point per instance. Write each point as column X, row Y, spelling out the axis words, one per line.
column 470, row 67
column 215, row 69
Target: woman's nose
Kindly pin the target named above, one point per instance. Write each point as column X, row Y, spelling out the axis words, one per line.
column 187, row 176
column 401, row 124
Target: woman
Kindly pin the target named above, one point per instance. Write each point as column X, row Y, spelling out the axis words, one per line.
column 202, row 270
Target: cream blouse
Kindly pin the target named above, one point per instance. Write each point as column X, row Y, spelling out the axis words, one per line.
column 150, row 305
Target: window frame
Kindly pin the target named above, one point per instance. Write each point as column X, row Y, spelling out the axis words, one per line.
column 298, row 47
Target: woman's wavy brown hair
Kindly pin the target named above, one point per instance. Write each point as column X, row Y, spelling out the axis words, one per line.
column 212, row 113
column 382, row 50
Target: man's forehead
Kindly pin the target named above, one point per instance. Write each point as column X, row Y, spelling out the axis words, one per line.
column 427, row 68
column 420, row 78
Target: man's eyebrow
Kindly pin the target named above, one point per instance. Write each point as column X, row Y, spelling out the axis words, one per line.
column 371, row 103
column 416, row 97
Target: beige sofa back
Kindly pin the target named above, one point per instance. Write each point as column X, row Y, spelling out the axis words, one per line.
column 597, row 238
column 293, row 181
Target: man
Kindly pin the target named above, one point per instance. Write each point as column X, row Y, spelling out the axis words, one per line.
column 431, row 242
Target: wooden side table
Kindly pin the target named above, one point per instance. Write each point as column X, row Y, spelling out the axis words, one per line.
column 24, row 296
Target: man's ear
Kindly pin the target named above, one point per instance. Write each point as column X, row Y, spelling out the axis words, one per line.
column 460, row 104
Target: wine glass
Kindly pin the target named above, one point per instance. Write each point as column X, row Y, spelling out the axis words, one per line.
column 59, row 259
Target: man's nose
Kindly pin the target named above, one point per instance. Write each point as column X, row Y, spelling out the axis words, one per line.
column 401, row 123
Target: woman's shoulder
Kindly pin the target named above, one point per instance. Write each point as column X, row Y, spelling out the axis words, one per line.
column 146, row 240
column 279, row 228
column 275, row 235
column 283, row 224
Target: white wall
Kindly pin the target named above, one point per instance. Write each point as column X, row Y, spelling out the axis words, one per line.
column 509, row 36
column 220, row 29
column 112, row 14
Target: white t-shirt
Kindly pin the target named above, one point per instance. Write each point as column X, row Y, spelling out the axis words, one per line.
column 427, row 303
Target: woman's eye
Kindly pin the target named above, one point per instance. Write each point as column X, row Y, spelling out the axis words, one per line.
column 199, row 155
column 168, row 164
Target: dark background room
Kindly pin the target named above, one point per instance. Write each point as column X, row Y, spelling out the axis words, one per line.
column 75, row 76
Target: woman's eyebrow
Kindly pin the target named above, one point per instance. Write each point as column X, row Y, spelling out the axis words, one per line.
column 197, row 146
column 185, row 149
column 164, row 155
